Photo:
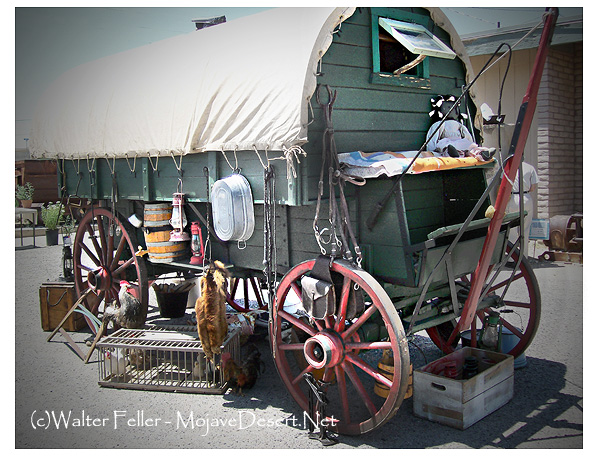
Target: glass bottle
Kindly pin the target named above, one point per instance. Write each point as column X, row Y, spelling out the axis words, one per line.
column 490, row 337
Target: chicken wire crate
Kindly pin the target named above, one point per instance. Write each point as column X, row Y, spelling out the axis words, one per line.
column 166, row 360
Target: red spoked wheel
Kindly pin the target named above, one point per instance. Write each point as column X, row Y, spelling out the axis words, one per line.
column 103, row 255
column 331, row 350
column 517, row 293
column 236, row 305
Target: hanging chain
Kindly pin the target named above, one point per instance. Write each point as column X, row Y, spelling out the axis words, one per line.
column 208, row 243
column 270, row 249
column 114, row 195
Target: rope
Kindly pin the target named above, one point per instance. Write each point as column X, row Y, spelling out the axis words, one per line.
column 293, row 153
column 222, row 149
column 132, row 170
column 258, row 154
column 155, row 168
column 179, row 166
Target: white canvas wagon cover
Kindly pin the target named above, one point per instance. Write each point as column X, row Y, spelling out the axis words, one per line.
column 240, row 85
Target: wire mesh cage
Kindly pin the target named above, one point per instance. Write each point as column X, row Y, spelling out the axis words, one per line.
column 167, row 360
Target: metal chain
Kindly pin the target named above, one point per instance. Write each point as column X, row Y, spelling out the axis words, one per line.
column 208, row 243
column 270, row 253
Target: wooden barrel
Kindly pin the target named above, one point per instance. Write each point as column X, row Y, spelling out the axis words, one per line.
column 157, row 231
column 157, row 214
column 387, row 371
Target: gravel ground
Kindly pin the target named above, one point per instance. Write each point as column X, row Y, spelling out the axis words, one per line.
column 545, row 412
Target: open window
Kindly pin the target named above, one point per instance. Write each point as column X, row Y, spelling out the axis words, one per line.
column 402, row 48
column 416, row 39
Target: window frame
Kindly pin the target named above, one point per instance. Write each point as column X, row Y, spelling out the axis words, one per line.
column 422, row 78
column 397, row 28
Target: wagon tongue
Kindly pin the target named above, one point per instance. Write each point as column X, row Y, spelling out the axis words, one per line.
column 527, row 110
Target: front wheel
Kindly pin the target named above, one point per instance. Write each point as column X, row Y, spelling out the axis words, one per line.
column 336, row 351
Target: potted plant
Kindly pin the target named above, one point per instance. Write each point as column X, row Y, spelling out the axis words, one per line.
column 25, row 194
column 52, row 217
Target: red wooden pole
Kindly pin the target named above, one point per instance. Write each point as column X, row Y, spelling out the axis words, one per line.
column 527, row 110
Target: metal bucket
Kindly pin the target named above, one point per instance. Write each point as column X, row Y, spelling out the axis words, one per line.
column 508, row 342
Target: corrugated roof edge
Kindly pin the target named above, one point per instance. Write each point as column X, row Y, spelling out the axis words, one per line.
column 568, row 30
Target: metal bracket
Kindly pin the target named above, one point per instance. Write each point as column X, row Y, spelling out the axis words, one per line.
column 317, row 389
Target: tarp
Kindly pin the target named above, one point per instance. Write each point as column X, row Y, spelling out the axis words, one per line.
column 241, row 85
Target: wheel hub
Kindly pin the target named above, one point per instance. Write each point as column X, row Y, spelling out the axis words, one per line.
column 99, row 279
column 325, row 349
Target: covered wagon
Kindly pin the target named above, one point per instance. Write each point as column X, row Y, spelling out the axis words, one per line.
column 361, row 235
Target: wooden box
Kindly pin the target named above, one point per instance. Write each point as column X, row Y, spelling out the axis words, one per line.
column 56, row 299
column 460, row 402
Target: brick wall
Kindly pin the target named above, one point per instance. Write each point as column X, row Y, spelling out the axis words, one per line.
column 559, row 136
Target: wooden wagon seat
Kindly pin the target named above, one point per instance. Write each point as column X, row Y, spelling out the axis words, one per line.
column 476, row 224
column 375, row 164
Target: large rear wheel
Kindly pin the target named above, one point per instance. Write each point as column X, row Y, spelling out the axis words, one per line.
column 516, row 292
column 343, row 353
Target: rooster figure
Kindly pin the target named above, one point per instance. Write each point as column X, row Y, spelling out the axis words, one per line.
column 126, row 312
column 243, row 376
column 211, row 309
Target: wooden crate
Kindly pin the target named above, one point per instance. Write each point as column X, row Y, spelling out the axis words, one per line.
column 56, row 299
column 460, row 403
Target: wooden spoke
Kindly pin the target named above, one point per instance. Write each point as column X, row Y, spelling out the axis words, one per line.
column 369, row 370
column 297, row 322
column 292, row 347
column 368, row 346
column 368, row 313
column 504, row 283
column 123, row 267
column 89, row 253
column 359, row 387
column 300, row 377
column 94, row 241
column 343, row 398
column 119, row 252
column 342, row 312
